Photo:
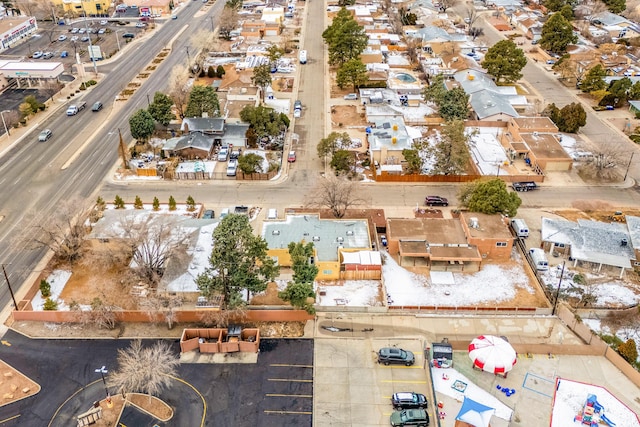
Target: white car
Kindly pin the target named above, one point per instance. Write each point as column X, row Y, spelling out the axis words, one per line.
column 74, row 39
column 141, row 25
column 37, row 54
column 74, row 31
column 82, row 30
column 62, row 38
column 104, row 22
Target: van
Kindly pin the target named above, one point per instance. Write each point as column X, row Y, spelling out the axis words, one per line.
column 303, row 56
column 272, row 214
column 520, row 227
column 539, row 259
column 224, row 212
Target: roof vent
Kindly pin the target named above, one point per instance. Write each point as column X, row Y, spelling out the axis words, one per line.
column 316, row 238
column 276, row 232
column 623, row 242
column 340, row 239
column 473, row 222
column 350, row 233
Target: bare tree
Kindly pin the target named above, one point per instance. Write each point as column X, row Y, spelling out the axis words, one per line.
column 51, row 87
column 179, row 89
column 602, row 165
column 223, row 318
column 165, row 305
column 446, row 4
column 152, row 240
column 100, row 314
column 228, row 22
column 145, row 369
column 12, row 119
column 335, row 193
column 471, row 17
column 63, row 233
column 201, row 42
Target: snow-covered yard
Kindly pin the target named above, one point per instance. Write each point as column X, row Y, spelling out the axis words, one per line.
column 494, row 283
column 57, row 279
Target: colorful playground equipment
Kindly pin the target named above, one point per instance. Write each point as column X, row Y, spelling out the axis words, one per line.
column 593, row 413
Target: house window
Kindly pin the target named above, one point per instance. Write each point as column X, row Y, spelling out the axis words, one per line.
column 501, row 244
column 98, row 6
column 327, row 272
column 636, row 264
column 559, row 245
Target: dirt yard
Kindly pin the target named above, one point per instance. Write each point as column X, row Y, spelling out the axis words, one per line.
column 596, row 210
column 152, row 405
column 14, row 385
column 347, row 115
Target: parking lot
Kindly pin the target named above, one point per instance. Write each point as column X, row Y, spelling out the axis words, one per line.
column 62, row 42
column 353, row 389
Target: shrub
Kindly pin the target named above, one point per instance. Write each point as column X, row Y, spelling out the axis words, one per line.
column 50, row 305
column 45, row 288
column 91, row 83
column 137, row 204
column 172, row 203
column 118, row 202
column 156, row 204
column 211, row 73
column 191, row 204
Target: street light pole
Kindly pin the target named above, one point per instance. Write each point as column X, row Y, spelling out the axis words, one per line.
column 103, row 371
column 6, row 129
column 13, row 297
column 555, row 303
column 91, row 55
column 117, row 39
column 188, row 57
column 628, row 166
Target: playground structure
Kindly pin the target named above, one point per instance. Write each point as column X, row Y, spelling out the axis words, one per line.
column 592, row 413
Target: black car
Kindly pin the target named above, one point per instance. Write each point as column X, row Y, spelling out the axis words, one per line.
column 128, row 35
column 524, row 186
column 436, row 201
column 408, row 400
column 388, row 355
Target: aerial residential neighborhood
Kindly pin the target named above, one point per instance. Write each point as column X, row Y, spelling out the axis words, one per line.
column 320, row 213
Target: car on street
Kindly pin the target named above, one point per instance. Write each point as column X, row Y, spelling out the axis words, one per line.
column 76, row 108
column 37, row 54
column 436, row 201
column 128, row 35
column 297, row 105
column 62, row 38
column 141, row 25
column 44, row 135
column 97, row 106
column 389, row 355
column 47, row 55
column 84, row 39
column 408, row 400
column 208, row 214
column 104, row 22
column 174, row 16
column 102, row 31
column 291, row 157
column 524, row 186
column 410, row 417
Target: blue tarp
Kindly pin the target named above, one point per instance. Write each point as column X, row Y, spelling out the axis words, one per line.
column 474, row 413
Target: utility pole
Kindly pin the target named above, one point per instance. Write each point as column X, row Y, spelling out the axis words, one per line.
column 123, row 151
column 628, row 166
column 13, row 297
column 555, row 303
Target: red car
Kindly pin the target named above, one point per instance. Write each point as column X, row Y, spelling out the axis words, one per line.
column 292, row 157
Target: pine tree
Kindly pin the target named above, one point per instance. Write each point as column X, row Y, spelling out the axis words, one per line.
column 100, row 204
column 156, row 204
column 118, row 202
column 137, row 204
column 191, row 204
column 172, row 203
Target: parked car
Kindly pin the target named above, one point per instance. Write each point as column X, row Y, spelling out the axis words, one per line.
column 44, row 135
column 297, row 113
column 383, row 240
column 351, row 96
column 232, row 168
column 64, row 54
column 174, row 16
column 104, row 22
column 74, row 31
column 47, row 55
column 209, row 214
column 85, row 39
column 388, row 355
column 76, row 108
column 82, row 30
column 410, row 417
column 408, row 400
column 524, row 186
column 102, row 31
column 436, row 201
column 62, row 38
column 291, row 158
column 234, row 154
column 297, row 105
column 37, row 54
column 128, row 35
column 223, row 154
column 97, row 106
column 141, row 25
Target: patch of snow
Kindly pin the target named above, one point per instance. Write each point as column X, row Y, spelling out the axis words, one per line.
column 356, row 293
column 57, row 279
column 571, row 396
column 263, row 154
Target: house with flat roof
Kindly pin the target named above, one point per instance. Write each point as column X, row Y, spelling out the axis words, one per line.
column 330, row 237
column 591, row 244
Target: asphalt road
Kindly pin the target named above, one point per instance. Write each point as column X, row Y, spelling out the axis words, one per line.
column 31, row 177
column 275, row 392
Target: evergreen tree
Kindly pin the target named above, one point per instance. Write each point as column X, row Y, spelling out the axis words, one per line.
column 137, row 204
column 141, row 124
column 353, row 72
column 594, row 79
column 203, row 99
column 161, row 109
column 505, row 61
column 450, row 153
column 118, row 202
column 490, row 197
column 557, row 34
column 345, row 38
column 191, row 204
column 172, row 203
column 156, row 204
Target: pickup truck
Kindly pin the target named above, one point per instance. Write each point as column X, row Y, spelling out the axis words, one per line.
column 75, row 109
column 524, row 186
